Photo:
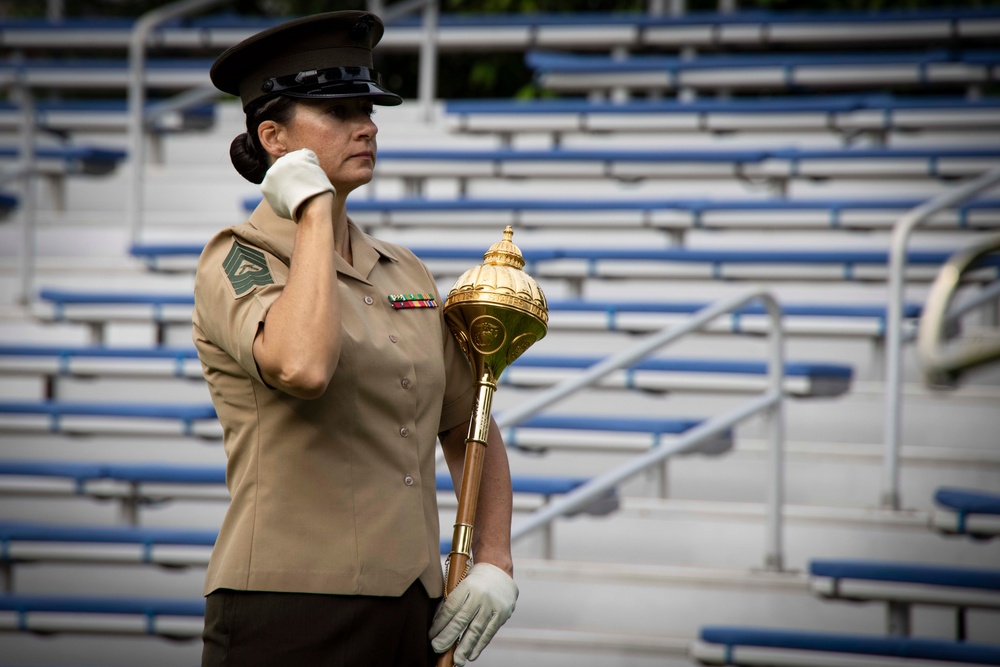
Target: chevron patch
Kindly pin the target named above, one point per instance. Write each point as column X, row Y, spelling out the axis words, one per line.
column 246, row 268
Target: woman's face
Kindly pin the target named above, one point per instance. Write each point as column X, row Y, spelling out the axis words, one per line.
column 341, row 133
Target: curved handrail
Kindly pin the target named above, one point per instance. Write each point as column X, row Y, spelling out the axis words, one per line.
column 893, row 408
column 137, row 99
column 771, row 402
column 943, row 364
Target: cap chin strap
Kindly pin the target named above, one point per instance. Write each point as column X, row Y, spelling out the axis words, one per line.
column 317, row 81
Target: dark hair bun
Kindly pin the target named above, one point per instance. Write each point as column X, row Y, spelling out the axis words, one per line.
column 247, row 159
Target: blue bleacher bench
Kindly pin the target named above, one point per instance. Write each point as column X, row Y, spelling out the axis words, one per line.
column 69, row 116
column 72, row 417
column 812, row 379
column 734, row 645
column 715, row 263
column 802, row 378
column 123, row 544
column 83, row 475
column 672, row 214
column 900, row 585
column 8, row 204
column 86, row 417
column 566, row 72
column 65, row 160
column 578, row 30
column 737, row 163
column 103, row 73
column 970, row 512
column 574, row 314
column 175, row 618
column 845, row 114
column 93, row 360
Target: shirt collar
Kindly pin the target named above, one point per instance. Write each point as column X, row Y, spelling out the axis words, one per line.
column 280, row 234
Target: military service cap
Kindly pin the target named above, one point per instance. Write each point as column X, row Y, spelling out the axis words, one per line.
column 321, row 56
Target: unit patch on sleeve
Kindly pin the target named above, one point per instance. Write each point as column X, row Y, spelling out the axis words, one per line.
column 246, row 267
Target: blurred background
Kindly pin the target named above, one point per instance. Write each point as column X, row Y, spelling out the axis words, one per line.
column 764, row 426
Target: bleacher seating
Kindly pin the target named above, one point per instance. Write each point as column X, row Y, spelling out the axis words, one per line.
column 65, row 160
column 723, row 645
column 530, row 370
column 781, row 164
column 84, row 116
column 103, row 74
column 766, row 148
column 967, row 512
column 574, row 73
column 842, row 114
column 817, row 319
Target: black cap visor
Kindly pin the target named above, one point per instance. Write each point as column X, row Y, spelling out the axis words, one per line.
column 332, row 83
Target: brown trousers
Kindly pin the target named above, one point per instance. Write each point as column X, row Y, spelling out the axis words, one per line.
column 262, row 629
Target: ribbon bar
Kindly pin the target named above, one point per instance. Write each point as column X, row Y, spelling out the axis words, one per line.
column 399, row 301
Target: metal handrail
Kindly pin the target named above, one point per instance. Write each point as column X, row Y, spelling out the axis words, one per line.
column 26, row 171
column 943, row 364
column 137, row 100
column 427, row 73
column 893, row 407
column 771, row 403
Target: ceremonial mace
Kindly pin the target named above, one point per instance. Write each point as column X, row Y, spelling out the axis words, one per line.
column 495, row 311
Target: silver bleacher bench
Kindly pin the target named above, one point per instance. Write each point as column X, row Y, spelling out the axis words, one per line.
column 901, row 585
column 839, row 114
column 531, row 370
column 971, row 512
column 738, row 646
column 585, row 73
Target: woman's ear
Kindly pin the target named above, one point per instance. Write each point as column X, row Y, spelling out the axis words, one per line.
column 272, row 138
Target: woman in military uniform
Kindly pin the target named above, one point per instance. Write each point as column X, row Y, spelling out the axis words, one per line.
column 333, row 375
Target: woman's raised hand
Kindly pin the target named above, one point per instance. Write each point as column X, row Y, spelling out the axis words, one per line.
column 293, row 179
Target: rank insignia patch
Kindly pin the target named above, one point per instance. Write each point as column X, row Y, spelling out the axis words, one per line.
column 412, row 301
column 246, row 268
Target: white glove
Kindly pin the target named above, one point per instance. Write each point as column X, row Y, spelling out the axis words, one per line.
column 474, row 611
column 291, row 180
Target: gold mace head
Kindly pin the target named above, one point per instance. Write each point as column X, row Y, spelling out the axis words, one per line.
column 495, row 310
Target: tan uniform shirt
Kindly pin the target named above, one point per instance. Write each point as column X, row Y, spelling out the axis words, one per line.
column 333, row 495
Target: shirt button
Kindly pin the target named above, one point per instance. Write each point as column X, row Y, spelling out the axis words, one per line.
column 406, row 383
column 392, row 338
column 369, row 300
column 404, row 432
column 408, row 480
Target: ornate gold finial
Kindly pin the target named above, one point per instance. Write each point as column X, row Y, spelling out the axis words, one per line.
column 496, row 310
column 505, row 253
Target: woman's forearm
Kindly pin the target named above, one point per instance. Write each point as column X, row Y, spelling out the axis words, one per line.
column 298, row 346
